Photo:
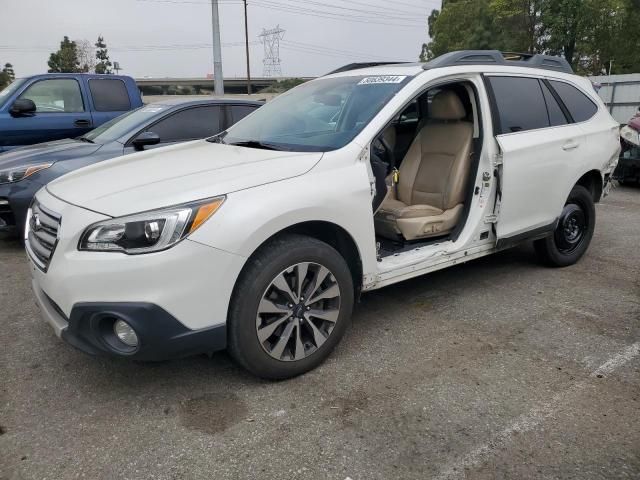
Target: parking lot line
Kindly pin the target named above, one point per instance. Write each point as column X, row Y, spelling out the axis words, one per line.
column 533, row 418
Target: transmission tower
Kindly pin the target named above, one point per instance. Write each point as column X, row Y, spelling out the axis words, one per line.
column 271, row 41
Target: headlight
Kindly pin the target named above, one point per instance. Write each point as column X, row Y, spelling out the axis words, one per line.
column 149, row 231
column 15, row 174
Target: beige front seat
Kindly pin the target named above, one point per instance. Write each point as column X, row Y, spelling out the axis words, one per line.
column 428, row 199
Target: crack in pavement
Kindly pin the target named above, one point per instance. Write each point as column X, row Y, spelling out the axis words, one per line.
column 532, row 419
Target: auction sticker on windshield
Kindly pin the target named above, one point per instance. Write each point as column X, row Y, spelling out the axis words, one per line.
column 382, row 79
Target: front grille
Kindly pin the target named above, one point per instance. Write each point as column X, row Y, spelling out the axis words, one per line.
column 41, row 234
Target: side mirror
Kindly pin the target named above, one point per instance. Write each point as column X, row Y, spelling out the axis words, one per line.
column 22, row 106
column 145, row 139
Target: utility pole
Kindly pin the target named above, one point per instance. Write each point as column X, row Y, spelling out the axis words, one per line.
column 246, row 43
column 218, row 79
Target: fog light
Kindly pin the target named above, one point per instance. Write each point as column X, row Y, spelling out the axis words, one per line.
column 125, row 333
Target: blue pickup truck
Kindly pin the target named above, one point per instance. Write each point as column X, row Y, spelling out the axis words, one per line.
column 54, row 106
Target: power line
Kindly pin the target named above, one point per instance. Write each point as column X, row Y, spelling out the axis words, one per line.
column 365, row 16
column 396, row 14
column 398, row 2
column 272, row 5
column 331, row 50
column 189, row 2
column 379, row 7
column 324, row 53
column 385, row 8
column 139, row 48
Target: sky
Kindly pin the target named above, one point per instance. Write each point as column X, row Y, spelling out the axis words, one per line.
column 172, row 38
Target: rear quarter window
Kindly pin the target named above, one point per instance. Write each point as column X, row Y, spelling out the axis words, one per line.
column 109, row 95
column 556, row 115
column 581, row 107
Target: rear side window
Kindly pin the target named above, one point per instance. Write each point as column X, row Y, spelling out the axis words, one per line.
column 580, row 106
column 520, row 104
column 556, row 115
column 190, row 124
column 238, row 112
column 109, row 95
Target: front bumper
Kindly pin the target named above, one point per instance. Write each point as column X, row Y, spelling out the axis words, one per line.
column 628, row 169
column 14, row 203
column 160, row 335
column 177, row 298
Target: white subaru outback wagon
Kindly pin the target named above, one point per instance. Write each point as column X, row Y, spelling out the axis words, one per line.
column 260, row 239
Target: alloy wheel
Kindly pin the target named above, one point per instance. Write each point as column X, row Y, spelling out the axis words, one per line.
column 298, row 311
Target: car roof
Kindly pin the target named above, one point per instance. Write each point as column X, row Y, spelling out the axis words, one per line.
column 469, row 58
column 177, row 101
column 76, row 75
column 415, row 69
column 409, row 69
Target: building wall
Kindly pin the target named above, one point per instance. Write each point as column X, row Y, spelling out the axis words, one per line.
column 621, row 93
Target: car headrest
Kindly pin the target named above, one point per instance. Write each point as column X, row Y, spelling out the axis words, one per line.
column 446, row 105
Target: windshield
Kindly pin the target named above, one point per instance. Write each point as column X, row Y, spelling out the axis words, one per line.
column 318, row 116
column 124, row 124
column 12, row 87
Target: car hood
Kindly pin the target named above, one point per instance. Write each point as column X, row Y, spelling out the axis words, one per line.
column 176, row 174
column 46, row 153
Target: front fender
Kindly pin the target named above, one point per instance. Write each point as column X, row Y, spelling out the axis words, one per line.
column 338, row 196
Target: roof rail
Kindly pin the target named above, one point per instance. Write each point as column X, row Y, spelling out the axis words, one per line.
column 496, row 57
column 356, row 66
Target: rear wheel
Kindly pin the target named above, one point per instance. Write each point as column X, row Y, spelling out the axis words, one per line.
column 290, row 307
column 573, row 234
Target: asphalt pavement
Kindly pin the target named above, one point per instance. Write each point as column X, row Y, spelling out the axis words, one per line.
column 497, row 369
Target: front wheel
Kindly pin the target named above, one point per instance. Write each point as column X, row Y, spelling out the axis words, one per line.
column 290, row 308
column 573, row 234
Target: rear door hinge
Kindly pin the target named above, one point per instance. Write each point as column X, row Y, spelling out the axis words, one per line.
column 497, row 159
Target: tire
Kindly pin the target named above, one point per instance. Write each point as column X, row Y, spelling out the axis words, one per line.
column 573, row 234
column 301, row 340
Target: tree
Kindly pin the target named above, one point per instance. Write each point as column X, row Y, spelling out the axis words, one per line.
column 86, row 55
column 607, row 43
column 520, row 24
column 461, row 25
column 8, row 71
column 565, row 20
column 594, row 36
column 104, row 64
column 65, row 60
column 424, row 53
column 4, row 80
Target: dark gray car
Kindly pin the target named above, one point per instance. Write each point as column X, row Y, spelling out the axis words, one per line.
column 25, row 170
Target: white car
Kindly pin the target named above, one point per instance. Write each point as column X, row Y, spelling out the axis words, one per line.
column 261, row 239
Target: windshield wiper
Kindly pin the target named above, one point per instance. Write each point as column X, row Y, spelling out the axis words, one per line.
column 257, row 144
column 217, row 138
column 85, row 139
